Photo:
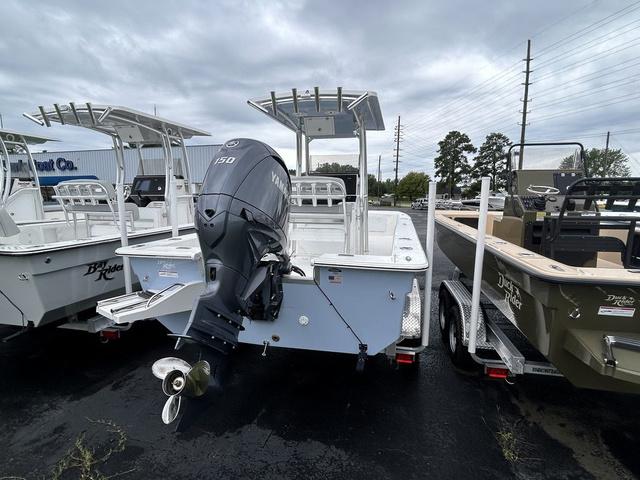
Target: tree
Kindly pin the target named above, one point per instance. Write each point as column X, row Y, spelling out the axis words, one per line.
column 492, row 161
column 336, row 168
column 451, row 163
column 413, row 185
column 614, row 164
column 372, row 185
column 388, row 186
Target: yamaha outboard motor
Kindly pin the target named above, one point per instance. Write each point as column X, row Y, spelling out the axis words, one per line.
column 241, row 220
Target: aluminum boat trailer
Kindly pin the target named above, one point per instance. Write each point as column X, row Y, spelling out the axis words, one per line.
column 491, row 347
column 491, row 337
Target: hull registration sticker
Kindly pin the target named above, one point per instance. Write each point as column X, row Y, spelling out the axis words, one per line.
column 616, row 311
column 166, row 273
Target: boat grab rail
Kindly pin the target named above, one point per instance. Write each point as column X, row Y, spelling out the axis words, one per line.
column 91, row 197
column 328, row 197
column 316, row 188
column 159, row 294
column 319, row 190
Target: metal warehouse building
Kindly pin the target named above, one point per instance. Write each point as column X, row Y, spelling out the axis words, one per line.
column 54, row 167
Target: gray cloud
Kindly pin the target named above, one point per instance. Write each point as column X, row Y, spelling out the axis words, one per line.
column 200, row 61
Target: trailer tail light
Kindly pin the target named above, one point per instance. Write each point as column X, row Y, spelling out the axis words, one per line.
column 405, row 358
column 493, row 372
column 110, row 334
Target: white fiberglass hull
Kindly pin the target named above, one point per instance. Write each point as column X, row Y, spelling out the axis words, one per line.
column 49, row 285
column 343, row 302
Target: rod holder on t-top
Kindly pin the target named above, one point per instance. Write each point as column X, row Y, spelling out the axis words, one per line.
column 128, row 126
column 328, row 114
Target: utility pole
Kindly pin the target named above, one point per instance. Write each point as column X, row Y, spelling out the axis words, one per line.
column 155, row 112
column 1, row 122
column 395, row 189
column 606, row 148
column 525, row 102
column 379, row 175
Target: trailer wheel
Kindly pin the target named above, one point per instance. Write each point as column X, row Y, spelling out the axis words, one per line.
column 443, row 307
column 457, row 350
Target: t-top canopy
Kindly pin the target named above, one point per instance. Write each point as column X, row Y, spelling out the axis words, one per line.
column 13, row 139
column 130, row 125
column 323, row 114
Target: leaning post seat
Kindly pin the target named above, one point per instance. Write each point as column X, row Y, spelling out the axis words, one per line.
column 574, row 234
column 93, row 198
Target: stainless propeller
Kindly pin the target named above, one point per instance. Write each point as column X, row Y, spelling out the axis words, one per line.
column 179, row 378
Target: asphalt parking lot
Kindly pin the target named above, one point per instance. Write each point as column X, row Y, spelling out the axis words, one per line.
column 71, row 407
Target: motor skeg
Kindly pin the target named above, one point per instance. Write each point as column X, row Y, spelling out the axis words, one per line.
column 241, row 219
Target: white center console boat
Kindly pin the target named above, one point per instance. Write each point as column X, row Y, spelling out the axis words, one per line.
column 54, row 270
column 280, row 261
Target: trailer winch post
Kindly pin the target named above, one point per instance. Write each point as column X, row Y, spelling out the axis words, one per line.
column 477, row 269
column 428, row 276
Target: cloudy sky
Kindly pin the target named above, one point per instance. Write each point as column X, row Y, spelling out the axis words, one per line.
column 440, row 65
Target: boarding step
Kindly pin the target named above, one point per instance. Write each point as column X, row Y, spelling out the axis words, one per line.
column 142, row 305
column 412, row 313
column 92, row 325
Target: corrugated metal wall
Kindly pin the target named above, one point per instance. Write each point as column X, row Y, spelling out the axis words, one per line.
column 102, row 163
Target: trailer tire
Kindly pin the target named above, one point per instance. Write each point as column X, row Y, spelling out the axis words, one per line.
column 443, row 308
column 457, row 350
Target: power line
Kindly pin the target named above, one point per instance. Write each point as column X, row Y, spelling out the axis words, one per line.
column 585, row 93
column 500, row 75
column 606, row 73
column 559, row 57
column 488, row 101
column 592, row 58
column 461, row 98
column 623, row 98
column 585, row 30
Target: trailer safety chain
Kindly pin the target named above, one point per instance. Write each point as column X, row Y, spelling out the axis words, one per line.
column 362, row 357
column 341, row 317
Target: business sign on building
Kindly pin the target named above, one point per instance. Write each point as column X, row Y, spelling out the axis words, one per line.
column 60, row 164
column 102, row 163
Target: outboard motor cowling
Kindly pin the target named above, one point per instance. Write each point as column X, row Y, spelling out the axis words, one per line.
column 241, row 219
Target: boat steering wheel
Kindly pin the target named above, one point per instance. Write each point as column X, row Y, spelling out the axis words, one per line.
column 542, row 190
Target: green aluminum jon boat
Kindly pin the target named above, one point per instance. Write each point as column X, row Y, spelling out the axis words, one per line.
column 562, row 263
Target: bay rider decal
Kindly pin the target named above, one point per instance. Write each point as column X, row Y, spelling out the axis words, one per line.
column 103, row 270
column 511, row 291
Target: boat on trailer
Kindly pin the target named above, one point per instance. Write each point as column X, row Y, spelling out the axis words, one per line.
column 561, row 263
column 282, row 261
column 56, row 270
